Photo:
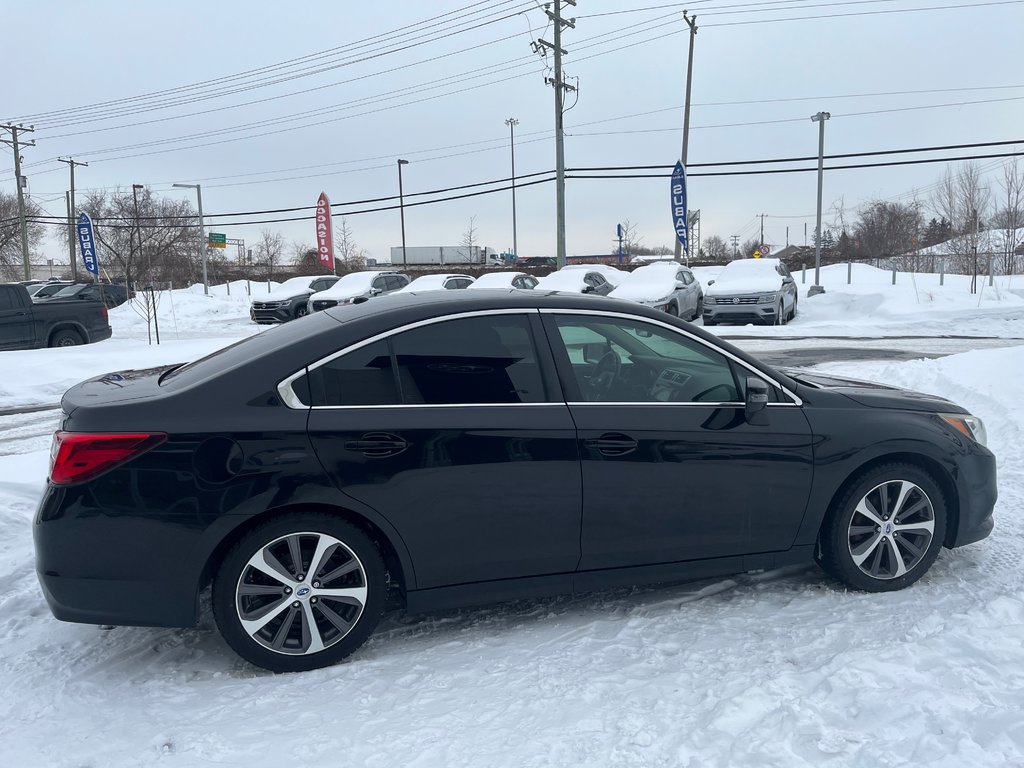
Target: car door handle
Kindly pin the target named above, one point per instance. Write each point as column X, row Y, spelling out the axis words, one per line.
column 377, row 444
column 612, row 444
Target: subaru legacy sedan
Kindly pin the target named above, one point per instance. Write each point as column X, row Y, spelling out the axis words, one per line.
column 464, row 447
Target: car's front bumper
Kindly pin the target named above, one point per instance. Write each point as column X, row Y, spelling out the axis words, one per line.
column 976, row 495
column 741, row 310
column 264, row 315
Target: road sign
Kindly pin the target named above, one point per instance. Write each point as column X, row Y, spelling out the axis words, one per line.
column 216, row 240
column 757, row 254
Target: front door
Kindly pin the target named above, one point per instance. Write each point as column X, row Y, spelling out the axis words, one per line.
column 671, row 469
column 15, row 318
column 452, row 432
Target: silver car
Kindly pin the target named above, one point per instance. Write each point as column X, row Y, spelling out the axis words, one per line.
column 751, row 291
column 667, row 286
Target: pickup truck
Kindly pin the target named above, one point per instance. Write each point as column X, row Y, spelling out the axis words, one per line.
column 52, row 323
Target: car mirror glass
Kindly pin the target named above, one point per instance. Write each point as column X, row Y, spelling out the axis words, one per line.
column 711, row 282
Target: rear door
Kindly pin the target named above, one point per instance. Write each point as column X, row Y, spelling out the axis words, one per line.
column 456, row 432
column 15, row 318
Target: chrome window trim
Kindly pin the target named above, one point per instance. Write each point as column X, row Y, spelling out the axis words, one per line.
column 635, row 318
column 685, row 404
column 288, row 396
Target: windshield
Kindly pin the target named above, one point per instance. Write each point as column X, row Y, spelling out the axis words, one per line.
column 495, row 280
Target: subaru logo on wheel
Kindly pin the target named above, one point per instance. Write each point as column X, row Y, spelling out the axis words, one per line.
column 302, row 591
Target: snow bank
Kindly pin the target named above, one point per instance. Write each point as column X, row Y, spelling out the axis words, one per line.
column 777, row 670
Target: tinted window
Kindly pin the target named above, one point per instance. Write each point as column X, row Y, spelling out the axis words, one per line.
column 362, row 377
column 394, row 282
column 645, row 363
column 380, row 284
column 472, row 360
column 8, row 298
column 531, row 282
column 685, row 277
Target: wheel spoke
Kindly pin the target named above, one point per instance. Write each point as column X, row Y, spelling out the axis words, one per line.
column 324, row 549
column 334, row 617
column 312, row 642
column 252, row 626
column 341, row 570
column 905, row 489
column 866, row 550
column 867, row 509
column 876, row 561
column 919, row 506
column 862, row 530
column 260, row 590
column 906, row 543
column 924, row 525
column 352, row 595
column 282, row 632
column 897, row 556
column 295, row 553
column 265, row 562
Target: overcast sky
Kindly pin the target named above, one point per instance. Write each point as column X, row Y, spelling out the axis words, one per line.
column 442, row 102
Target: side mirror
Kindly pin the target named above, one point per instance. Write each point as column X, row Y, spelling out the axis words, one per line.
column 757, row 402
column 711, row 282
column 680, row 284
column 588, row 289
column 787, row 280
column 376, row 292
column 593, row 352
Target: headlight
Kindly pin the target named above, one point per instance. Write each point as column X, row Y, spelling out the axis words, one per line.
column 766, row 298
column 709, row 300
column 968, row 426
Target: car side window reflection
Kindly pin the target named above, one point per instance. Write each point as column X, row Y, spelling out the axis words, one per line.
column 619, row 360
column 478, row 360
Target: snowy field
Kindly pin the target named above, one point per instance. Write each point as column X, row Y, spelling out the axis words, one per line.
column 784, row 668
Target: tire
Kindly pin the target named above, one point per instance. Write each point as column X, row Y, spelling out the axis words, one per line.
column 279, row 637
column 709, row 322
column 67, row 337
column 301, row 311
column 699, row 310
column 895, row 554
column 780, row 317
column 792, row 315
column 673, row 309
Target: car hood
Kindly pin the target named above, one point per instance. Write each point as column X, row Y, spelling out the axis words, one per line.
column 874, row 395
column 745, row 284
column 643, row 290
column 333, row 295
column 279, row 294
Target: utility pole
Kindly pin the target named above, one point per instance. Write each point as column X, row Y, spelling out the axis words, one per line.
column 787, row 237
column 735, row 245
column 761, row 242
column 401, row 206
column 560, row 87
column 512, row 123
column 71, row 214
column 202, row 233
column 692, row 24
column 820, row 119
column 19, row 182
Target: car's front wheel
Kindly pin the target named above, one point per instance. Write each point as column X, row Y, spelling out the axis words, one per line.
column 301, row 311
column 699, row 311
column 886, row 530
column 300, row 592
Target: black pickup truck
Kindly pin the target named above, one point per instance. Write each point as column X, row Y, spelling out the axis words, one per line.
column 25, row 324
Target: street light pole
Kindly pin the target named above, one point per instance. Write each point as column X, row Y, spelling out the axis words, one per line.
column 512, row 123
column 401, row 207
column 820, row 119
column 691, row 22
column 202, row 234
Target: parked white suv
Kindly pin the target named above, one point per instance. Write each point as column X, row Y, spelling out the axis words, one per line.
column 358, row 285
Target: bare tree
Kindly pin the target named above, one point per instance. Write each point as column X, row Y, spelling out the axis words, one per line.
column 349, row 256
column 469, row 239
column 716, row 250
column 269, row 251
column 156, row 242
column 962, row 199
column 11, row 259
column 631, row 239
column 1010, row 218
column 888, row 230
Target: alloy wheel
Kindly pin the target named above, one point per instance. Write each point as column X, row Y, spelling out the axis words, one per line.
column 891, row 529
column 301, row 593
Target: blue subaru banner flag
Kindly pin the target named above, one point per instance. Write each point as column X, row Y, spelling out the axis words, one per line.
column 679, row 205
column 88, row 244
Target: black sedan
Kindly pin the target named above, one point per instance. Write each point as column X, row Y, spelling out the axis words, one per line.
column 465, row 447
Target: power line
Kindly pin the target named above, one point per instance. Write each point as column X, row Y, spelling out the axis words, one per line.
column 866, row 13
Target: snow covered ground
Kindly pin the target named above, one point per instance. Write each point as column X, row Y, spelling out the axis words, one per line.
column 917, row 305
column 784, row 668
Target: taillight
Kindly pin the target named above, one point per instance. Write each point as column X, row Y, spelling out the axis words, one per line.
column 106, row 314
column 79, row 456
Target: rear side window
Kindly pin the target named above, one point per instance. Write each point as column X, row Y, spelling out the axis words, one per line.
column 478, row 360
column 9, row 297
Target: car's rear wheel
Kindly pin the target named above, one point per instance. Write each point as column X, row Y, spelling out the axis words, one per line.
column 699, row 310
column 886, row 530
column 300, row 592
column 66, row 338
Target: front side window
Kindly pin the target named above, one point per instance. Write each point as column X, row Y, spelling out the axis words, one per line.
column 379, row 284
column 475, row 360
column 625, row 361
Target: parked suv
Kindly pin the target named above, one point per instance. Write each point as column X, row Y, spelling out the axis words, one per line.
column 111, row 294
column 356, row 286
column 751, row 291
column 289, row 300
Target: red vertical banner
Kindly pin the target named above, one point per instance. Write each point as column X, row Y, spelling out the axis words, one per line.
column 324, row 235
